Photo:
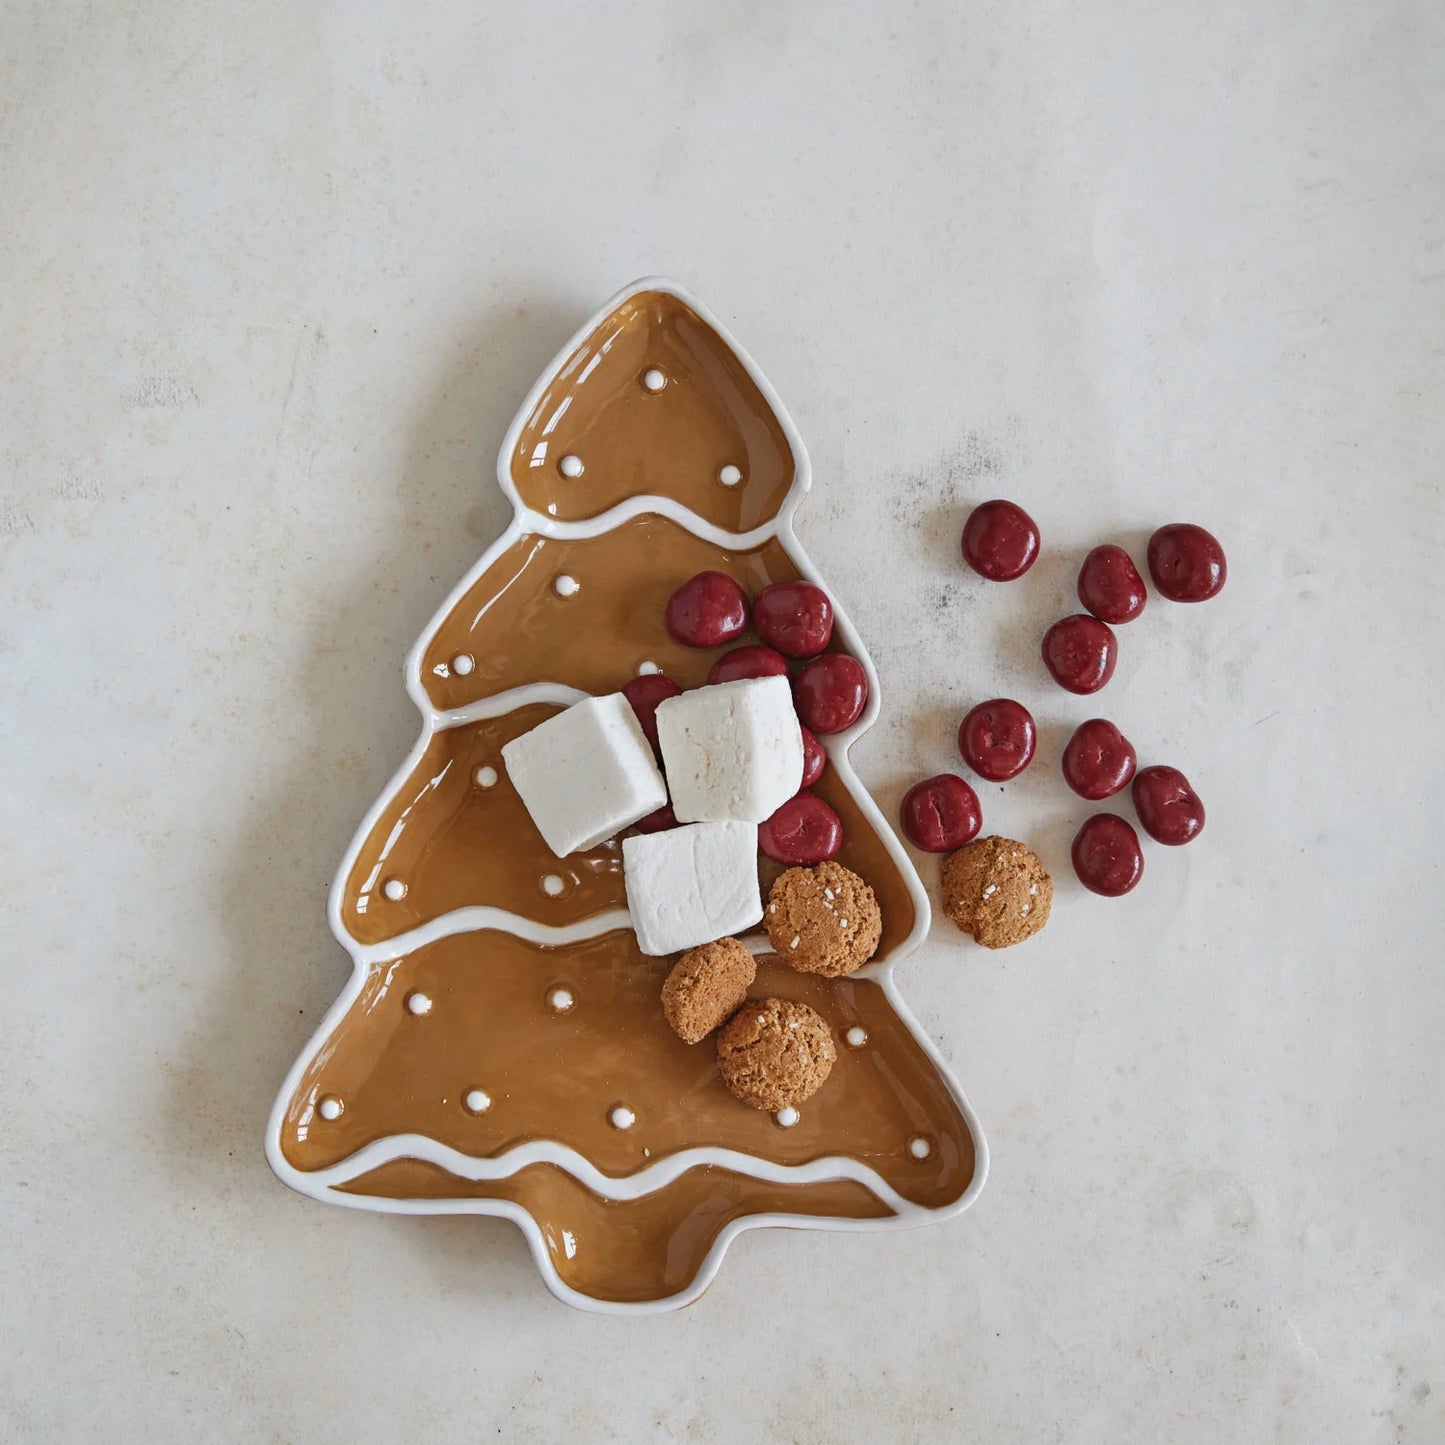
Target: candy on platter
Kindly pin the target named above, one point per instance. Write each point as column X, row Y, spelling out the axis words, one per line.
column 586, row 773
column 831, row 692
column 691, row 885
column 744, row 662
column 804, row 830
column 644, row 692
column 794, row 617
column 732, row 751
column 707, row 610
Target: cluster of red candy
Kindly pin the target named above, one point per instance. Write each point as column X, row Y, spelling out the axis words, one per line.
column 830, row 690
column 997, row 738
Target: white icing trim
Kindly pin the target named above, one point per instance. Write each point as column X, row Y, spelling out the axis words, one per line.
column 321, row 1184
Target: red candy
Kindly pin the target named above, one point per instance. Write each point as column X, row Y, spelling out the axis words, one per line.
column 1000, row 541
column 658, row 822
column 1110, row 585
column 1098, row 760
column 804, row 831
column 1106, row 855
column 831, row 692
column 1186, row 562
column 814, row 759
column 1167, row 806
column 1080, row 651
column 744, row 662
column 707, row 610
column 644, row 693
column 997, row 739
column 940, row 814
column 794, row 617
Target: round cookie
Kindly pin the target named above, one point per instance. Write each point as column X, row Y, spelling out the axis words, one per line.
column 997, row 890
column 705, row 986
column 823, row 920
column 774, row 1053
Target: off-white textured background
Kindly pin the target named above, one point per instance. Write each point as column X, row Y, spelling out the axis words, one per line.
column 275, row 277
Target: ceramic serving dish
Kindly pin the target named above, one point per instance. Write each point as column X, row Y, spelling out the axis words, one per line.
column 500, row 1020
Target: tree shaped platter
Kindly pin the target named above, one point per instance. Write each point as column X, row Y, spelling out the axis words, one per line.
column 500, row 1017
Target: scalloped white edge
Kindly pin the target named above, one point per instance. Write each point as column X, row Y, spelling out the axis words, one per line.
column 320, row 1184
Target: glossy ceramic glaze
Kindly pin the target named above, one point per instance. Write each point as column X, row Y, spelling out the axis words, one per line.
column 501, row 1020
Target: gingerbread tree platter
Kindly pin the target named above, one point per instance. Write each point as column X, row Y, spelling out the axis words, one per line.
column 500, row 1047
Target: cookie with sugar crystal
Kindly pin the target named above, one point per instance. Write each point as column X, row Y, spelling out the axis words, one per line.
column 997, row 889
column 774, row 1053
column 824, row 919
column 706, row 987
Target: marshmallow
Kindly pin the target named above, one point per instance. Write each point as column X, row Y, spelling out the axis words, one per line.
column 733, row 752
column 586, row 773
column 692, row 885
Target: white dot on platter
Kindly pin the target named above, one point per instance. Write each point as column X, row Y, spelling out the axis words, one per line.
column 646, row 669
column 622, row 1117
column 462, row 664
column 418, row 1003
column 330, row 1107
column 553, row 884
column 570, row 466
column 560, row 999
column 566, row 586
column 919, row 1147
column 477, row 1101
column 856, row 1037
column 653, row 379
column 485, row 777
column 730, row 475
column 394, row 889
column 786, row 1118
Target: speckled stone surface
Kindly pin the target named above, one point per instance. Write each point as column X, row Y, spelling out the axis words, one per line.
column 275, row 277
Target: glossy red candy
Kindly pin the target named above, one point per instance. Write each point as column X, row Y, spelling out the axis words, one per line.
column 997, row 739
column 1186, row 562
column 744, row 662
column 831, row 692
column 1110, row 585
column 804, row 831
column 1167, row 806
column 1098, row 760
column 1080, row 652
column 658, row 822
column 707, row 610
column 814, row 759
column 644, row 692
column 1000, row 541
column 1107, row 856
column 794, row 617
column 940, row 814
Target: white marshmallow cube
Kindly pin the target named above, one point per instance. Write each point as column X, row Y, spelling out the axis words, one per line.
column 586, row 774
column 692, row 885
column 733, row 752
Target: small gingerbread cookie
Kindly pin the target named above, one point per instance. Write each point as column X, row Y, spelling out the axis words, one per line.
column 706, row 986
column 823, row 920
column 774, row 1053
column 997, row 890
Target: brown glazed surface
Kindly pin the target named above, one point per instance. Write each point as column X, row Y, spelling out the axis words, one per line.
column 609, row 1248
column 558, row 1075
column 670, row 443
